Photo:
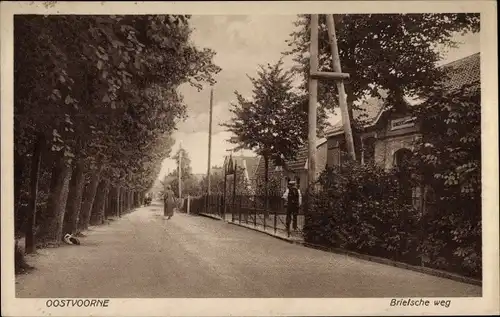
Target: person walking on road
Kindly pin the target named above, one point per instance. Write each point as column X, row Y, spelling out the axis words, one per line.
column 168, row 202
column 293, row 200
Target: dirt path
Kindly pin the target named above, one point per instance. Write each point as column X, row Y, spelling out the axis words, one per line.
column 143, row 255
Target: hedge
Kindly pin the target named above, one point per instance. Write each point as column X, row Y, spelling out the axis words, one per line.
column 365, row 209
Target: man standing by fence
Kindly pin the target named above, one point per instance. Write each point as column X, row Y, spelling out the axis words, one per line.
column 293, row 200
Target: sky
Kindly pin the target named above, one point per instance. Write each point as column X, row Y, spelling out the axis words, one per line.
column 242, row 44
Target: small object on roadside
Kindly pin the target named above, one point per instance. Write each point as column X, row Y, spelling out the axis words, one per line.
column 69, row 239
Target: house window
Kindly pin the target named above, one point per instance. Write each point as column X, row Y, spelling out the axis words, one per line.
column 369, row 150
column 401, row 164
column 343, row 155
column 402, row 158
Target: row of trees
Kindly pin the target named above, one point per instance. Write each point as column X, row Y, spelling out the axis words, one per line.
column 194, row 185
column 190, row 183
column 95, row 106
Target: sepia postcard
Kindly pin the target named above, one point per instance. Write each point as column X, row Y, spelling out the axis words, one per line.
column 274, row 158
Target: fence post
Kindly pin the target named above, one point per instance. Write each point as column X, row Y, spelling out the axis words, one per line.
column 233, row 209
column 266, row 211
column 247, row 209
column 276, row 215
column 220, row 202
column 211, row 204
column 239, row 209
column 207, row 207
column 214, row 204
column 205, row 204
column 255, row 213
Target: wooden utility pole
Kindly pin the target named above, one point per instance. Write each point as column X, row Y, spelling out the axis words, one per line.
column 313, row 101
column 210, row 141
column 330, row 23
column 314, row 76
column 179, row 174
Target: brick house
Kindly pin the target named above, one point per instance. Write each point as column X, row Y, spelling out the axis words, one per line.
column 388, row 135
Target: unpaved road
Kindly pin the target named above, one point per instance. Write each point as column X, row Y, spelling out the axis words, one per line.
column 142, row 255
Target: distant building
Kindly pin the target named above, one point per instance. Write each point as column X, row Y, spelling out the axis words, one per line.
column 293, row 169
column 248, row 164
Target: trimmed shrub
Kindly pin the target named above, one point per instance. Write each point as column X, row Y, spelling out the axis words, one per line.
column 365, row 209
column 360, row 208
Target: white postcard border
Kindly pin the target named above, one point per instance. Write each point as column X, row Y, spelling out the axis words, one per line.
column 487, row 304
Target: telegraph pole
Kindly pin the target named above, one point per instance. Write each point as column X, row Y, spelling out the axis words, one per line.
column 314, row 76
column 330, row 23
column 180, row 170
column 210, row 141
column 313, row 100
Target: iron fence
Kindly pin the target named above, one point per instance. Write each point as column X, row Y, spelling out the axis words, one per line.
column 252, row 211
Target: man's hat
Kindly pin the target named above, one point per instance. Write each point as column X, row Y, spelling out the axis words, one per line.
column 292, row 182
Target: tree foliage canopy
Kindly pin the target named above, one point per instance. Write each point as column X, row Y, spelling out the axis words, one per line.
column 447, row 159
column 379, row 50
column 273, row 122
column 107, row 93
column 449, row 152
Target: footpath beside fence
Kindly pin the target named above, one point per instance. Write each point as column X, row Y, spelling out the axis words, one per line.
column 248, row 212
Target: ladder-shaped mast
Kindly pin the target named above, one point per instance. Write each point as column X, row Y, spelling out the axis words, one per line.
column 316, row 75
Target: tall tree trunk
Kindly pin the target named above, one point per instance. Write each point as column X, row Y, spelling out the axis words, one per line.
column 51, row 229
column 129, row 205
column 98, row 206
column 106, row 203
column 30, row 244
column 88, row 201
column 119, row 193
column 129, row 201
column 112, row 200
column 123, row 204
column 19, row 216
column 266, row 186
column 124, row 201
column 75, row 196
